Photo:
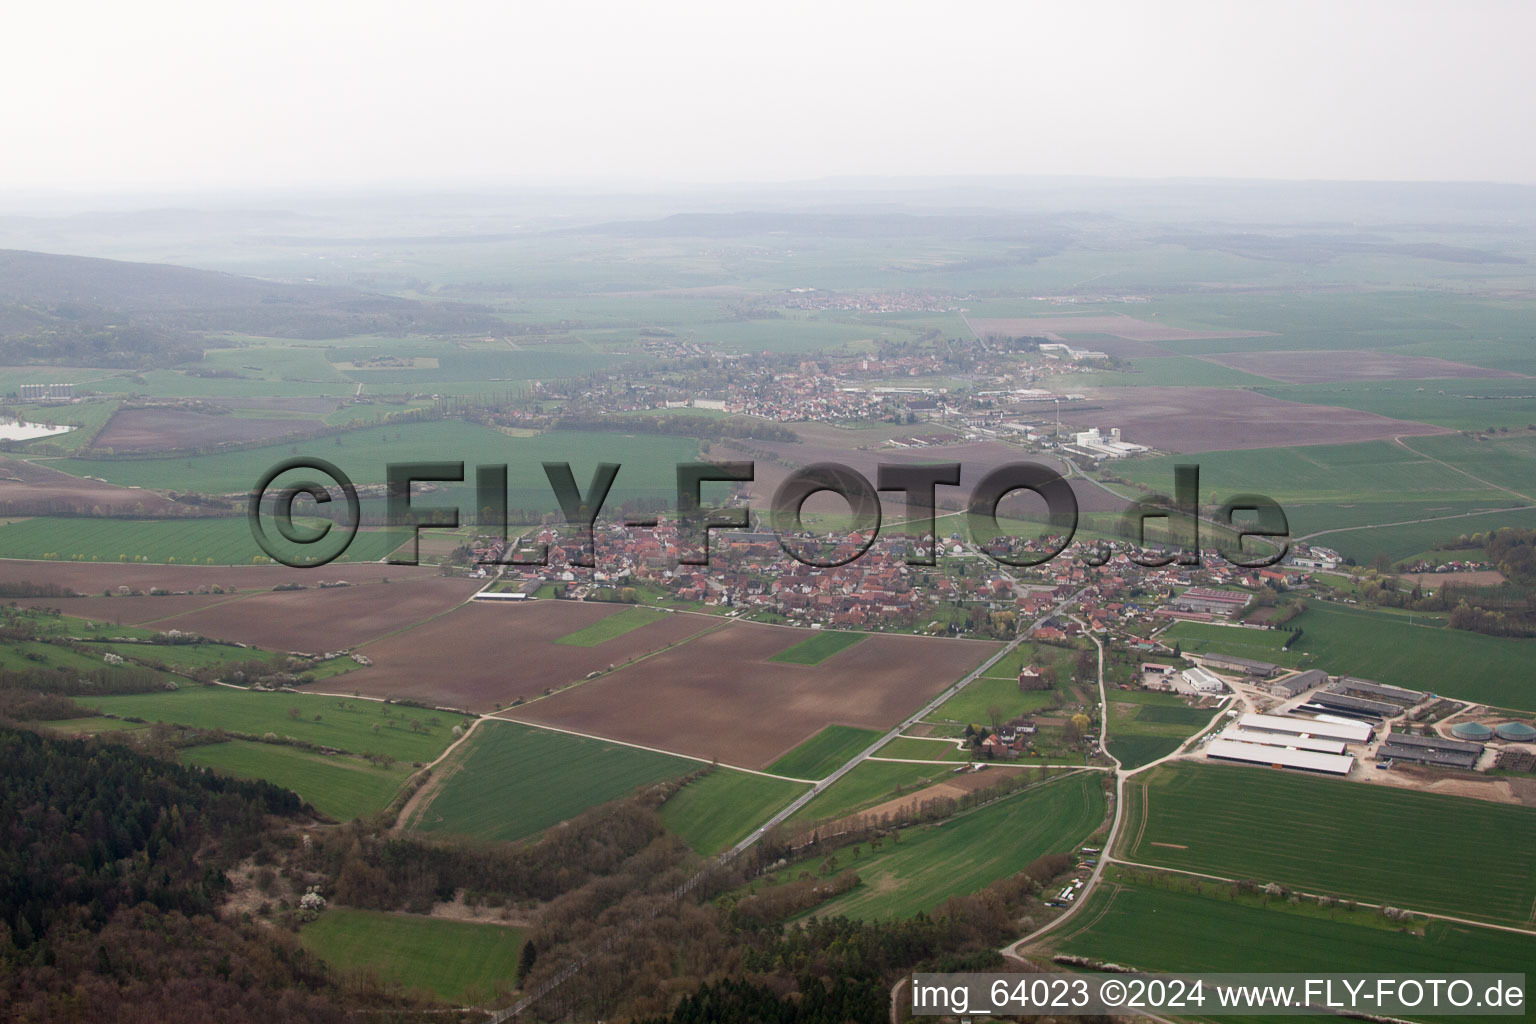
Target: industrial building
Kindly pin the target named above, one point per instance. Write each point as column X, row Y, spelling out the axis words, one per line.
column 1329, row 702
column 1283, row 757
column 1348, row 732
column 1111, row 447
column 1238, row 734
column 47, row 392
column 1299, row 683
column 1435, row 750
column 1247, row 666
column 1209, row 602
column 1372, row 690
column 1202, row 681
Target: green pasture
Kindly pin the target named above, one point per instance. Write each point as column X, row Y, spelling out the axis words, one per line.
column 455, row 961
column 345, row 723
column 341, row 787
column 824, row 753
column 510, row 781
column 172, row 541
column 927, row 864
column 1420, row 654
column 712, row 813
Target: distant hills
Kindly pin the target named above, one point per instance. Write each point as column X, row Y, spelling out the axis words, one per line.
column 77, row 310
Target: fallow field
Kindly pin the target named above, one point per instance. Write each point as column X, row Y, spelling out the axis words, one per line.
column 721, row 696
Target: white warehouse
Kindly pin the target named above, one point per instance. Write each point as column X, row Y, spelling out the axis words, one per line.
column 1348, row 732
column 1286, row 757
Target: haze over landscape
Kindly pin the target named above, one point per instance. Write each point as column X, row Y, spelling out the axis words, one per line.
column 1213, row 329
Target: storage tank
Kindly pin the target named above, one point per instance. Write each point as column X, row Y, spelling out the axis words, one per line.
column 1516, row 732
column 1477, row 732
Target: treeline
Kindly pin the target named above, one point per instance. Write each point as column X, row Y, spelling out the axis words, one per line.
column 26, row 588
column 72, row 682
column 845, row 1002
column 702, row 428
column 1513, row 552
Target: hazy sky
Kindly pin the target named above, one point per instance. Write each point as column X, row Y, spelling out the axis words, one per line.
column 211, row 95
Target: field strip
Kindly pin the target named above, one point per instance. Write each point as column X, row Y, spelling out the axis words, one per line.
column 1142, row 828
column 418, row 802
column 1000, row 764
column 502, row 716
column 1312, row 895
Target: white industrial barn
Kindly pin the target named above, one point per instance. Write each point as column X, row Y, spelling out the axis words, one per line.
column 1275, row 739
column 1285, row 757
column 1349, row 732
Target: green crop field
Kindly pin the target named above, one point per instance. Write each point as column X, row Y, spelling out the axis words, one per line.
column 1161, row 929
column 1423, row 851
column 1412, row 541
column 342, row 787
column 510, row 781
column 824, row 753
column 1347, row 640
column 179, row 541
column 648, row 461
column 869, row 783
column 713, row 813
column 1172, row 371
column 615, row 625
column 973, row 704
column 818, row 648
column 916, row 748
column 1208, row 637
column 358, row 726
column 1507, row 460
column 456, row 961
column 930, row 863
column 1464, row 404
column 1367, row 471
column 1144, row 726
column 1135, row 750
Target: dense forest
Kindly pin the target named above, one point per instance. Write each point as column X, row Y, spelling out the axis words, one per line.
column 111, row 870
